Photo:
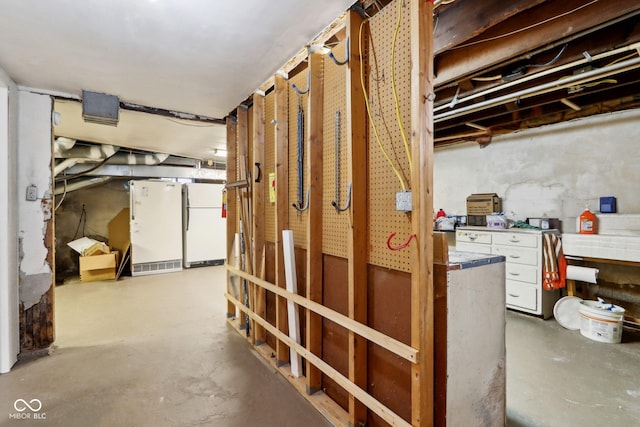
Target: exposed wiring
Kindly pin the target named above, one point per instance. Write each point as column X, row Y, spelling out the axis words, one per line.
column 554, row 60
column 528, row 27
column 373, row 124
column 621, row 59
column 195, row 126
column 378, row 80
column 395, row 89
column 63, row 196
column 82, row 220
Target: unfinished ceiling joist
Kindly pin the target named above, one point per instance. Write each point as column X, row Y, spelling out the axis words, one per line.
column 559, row 84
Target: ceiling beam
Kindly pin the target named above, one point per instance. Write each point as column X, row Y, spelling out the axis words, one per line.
column 460, row 21
column 561, row 18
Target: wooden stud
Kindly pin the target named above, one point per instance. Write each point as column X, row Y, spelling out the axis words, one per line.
column 357, row 238
column 315, row 111
column 282, row 206
column 258, row 213
column 232, row 215
column 394, row 346
column 422, row 296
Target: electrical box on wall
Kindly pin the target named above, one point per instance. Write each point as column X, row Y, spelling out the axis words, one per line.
column 32, row 193
column 403, row 201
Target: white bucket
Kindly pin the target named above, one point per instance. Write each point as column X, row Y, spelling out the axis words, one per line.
column 600, row 321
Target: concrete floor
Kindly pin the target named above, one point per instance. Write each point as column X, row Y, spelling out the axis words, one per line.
column 156, row 351
column 152, row 351
column 557, row 377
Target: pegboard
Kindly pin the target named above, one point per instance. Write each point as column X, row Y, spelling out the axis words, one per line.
column 383, row 182
column 335, row 226
column 269, row 167
column 298, row 220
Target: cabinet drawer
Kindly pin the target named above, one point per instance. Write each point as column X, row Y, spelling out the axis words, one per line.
column 528, row 256
column 472, row 236
column 521, row 272
column 473, row 247
column 522, row 295
column 516, row 239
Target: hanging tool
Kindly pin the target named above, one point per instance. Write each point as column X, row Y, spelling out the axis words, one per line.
column 299, row 206
column 346, row 56
column 336, row 202
column 245, row 288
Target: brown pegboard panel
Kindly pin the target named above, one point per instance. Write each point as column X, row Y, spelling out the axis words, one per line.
column 383, row 182
column 269, row 167
column 335, row 226
column 298, row 220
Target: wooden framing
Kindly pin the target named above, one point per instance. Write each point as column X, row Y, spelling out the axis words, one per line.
column 357, row 237
column 315, row 102
column 232, row 214
column 282, row 206
column 364, row 402
column 422, row 296
column 258, row 209
column 391, row 344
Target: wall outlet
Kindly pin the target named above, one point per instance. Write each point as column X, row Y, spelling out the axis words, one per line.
column 32, row 193
column 403, row 201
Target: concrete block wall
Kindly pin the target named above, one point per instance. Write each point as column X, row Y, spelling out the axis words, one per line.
column 553, row 170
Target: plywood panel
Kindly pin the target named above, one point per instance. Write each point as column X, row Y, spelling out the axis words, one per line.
column 383, row 182
column 389, row 376
column 335, row 344
column 335, row 224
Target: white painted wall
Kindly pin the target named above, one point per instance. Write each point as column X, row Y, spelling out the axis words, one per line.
column 553, row 170
column 34, row 151
column 9, row 321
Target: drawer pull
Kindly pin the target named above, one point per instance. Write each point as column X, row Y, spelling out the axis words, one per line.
column 514, row 256
column 514, row 296
column 514, row 274
column 514, row 240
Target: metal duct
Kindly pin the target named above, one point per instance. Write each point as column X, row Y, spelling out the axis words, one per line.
column 137, row 159
column 62, row 144
column 77, row 185
column 95, row 152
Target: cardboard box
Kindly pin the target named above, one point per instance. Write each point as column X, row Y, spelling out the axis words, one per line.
column 98, row 267
column 483, row 204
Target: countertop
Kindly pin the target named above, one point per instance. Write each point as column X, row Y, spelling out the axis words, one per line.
column 461, row 260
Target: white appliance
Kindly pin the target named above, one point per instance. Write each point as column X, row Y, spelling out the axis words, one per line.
column 204, row 229
column 155, row 227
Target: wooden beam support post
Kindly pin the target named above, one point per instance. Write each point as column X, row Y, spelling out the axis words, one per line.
column 282, row 206
column 422, row 294
column 232, row 214
column 315, row 111
column 259, row 186
column 357, row 152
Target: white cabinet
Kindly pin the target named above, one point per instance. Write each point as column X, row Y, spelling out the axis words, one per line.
column 522, row 250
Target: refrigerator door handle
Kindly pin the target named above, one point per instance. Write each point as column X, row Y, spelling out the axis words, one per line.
column 188, row 217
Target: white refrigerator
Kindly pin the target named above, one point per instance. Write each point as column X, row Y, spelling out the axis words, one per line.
column 204, row 228
column 155, row 227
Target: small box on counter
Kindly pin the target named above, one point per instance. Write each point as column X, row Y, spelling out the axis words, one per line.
column 608, row 204
column 483, row 204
